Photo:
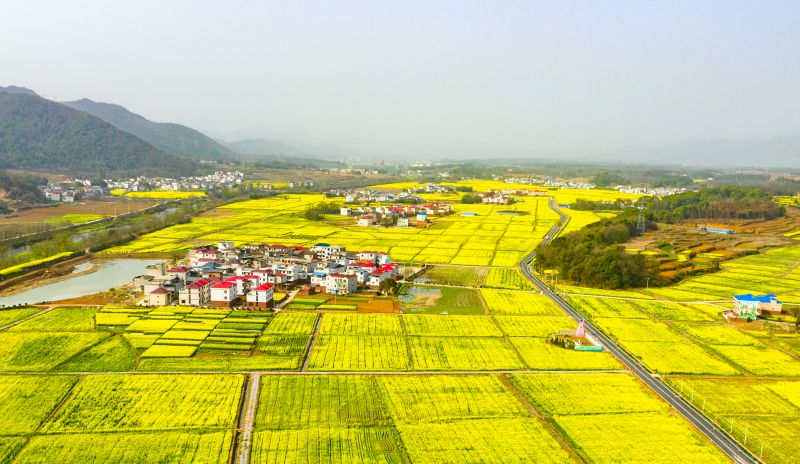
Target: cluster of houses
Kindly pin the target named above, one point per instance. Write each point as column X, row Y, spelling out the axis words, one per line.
column 405, row 214
column 431, row 188
column 72, row 191
column 368, row 195
column 219, row 180
column 652, row 191
column 226, row 276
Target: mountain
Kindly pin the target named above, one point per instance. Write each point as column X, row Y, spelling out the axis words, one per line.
column 266, row 141
column 39, row 134
column 175, row 139
column 19, row 90
column 263, row 147
column 766, row 152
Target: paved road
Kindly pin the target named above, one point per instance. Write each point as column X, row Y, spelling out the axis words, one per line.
column 248, row 420
column 737, row 453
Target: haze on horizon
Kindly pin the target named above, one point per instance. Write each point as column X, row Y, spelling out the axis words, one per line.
column 425, row 78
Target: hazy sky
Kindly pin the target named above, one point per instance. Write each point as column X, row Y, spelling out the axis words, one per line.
column 427, row 78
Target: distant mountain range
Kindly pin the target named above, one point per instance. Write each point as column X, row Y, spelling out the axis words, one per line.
column 258, row 147
column 765, row 152
column 172, row 138
column 40, row 134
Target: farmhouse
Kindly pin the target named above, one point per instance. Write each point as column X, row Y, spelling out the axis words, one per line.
column 198, row 293
column 260, row 297
column 223, row 294
column 367, row 220
column 748, row 306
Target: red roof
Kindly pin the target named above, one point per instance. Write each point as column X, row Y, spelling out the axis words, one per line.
column 178, row 269
column 263, row 287
column 224, row 285
column 339, row 274
column 199, row 283
column 159, row 291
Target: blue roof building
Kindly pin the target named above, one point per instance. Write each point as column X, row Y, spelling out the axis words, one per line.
column 748, row 306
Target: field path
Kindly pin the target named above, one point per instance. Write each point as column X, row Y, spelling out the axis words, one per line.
column 24, row 319
column 311, row 344
column 722, row 440
column 248, row 419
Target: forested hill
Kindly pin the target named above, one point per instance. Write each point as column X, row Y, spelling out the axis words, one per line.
column 175, row 139
column 20, row 189
column 39, row 134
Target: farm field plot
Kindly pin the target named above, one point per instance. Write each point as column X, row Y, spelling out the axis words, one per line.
column 760, row 360
column 450, row 326
column 146, row 402
column 43, row 351
column 360, row 324
column 638, row 437
column 493, row 277
column 359, row 353
column 376, row 444
column 566, row 394
column 323, row 419
column 539, row 354
column 184, row 447
column 534, row 326
column 8, row 316
column 452, row 275
column 114, row 354
column 442, row 398
column 60, row 320
column 517, row 303
column 678, row 358
column 462, row 353
column 433, row 300
column 492, row 440
column 26, row 401
column 769, row 413
column 507, row 278
column 299, row 401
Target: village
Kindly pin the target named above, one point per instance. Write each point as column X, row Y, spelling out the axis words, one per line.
column 226, row 277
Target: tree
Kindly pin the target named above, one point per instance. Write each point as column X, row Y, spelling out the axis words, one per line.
column 387, row 287
column 469, row 199
column 795, row 311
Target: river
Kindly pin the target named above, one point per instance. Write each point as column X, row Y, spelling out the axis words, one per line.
column 110, row 273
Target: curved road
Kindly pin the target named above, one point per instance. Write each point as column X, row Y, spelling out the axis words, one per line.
column 730, row 447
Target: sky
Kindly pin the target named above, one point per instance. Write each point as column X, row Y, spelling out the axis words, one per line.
column 426, row 78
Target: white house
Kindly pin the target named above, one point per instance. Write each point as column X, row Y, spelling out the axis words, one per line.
column 198, row 293
column 341, row 284
column 344, row 211
column 159, row 297
column 223, row 294
column 260, row 297
column 367, row 220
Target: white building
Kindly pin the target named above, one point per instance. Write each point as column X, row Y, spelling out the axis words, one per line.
column 260, row 297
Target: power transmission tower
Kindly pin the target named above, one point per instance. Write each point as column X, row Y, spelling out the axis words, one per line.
column 640, row 223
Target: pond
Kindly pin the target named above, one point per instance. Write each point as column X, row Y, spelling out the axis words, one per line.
column 110, row 273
